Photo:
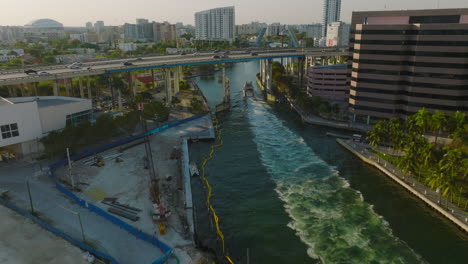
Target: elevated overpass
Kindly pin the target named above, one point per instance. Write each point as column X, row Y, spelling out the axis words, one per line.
column 14, row 77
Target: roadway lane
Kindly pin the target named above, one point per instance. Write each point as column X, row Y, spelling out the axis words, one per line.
column 152, row 63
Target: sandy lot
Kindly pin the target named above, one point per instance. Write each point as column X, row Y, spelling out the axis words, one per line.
column 24, row 242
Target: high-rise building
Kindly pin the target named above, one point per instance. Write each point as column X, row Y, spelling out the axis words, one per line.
column 89, row 26
column 331, row 13
column 249, row 29
column 402, row 61
column 130, row 31
column 275, row 29
column 141, row 21
column 215, row 24
column 99, row 26
column 337, row 34
column 164, row 32
column 311, row 30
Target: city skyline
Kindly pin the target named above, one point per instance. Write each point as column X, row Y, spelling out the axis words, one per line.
column 305, row 12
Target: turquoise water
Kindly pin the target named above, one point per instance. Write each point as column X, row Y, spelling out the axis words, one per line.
column 291, row 195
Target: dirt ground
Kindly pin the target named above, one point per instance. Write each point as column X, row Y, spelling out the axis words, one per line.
column 24, row 242
column 128, row 181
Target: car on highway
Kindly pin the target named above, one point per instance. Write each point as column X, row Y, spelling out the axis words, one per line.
column 216, row 57
column 43, row 73
column 254, row 54
column 196, row 54
column 30, row 71
column 75, row 65
column 183, row 53
column 127, row 63
column 225, row 56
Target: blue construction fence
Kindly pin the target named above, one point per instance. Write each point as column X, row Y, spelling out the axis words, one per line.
column 132, row 230
column 60, row 233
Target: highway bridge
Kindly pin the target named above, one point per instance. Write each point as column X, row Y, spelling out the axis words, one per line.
column 57, row 72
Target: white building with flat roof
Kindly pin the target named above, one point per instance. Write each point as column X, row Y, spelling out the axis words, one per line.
column 24, row 120
column 216, row 24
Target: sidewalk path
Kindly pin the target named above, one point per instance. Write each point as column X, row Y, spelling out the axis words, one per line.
column 315, row 120
column 432, row 198
column 58, row 210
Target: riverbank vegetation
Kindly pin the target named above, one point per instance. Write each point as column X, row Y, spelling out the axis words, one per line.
column 284, row 84
column 433, row 148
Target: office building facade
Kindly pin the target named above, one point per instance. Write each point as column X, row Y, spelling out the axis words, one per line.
column 401, row 61
column 215, row 24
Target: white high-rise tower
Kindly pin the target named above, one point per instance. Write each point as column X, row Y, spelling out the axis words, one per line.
column 215, row 24
column 331, row 13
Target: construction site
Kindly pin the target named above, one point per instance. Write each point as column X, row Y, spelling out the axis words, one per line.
column 142, row 183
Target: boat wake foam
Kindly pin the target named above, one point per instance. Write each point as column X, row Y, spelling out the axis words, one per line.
column 327, row 215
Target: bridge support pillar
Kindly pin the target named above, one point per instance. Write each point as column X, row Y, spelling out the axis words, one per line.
column 88, row 86
column 169, row 76
column 226, row 87
column 119, row 99
column 263, row 72
column 56, row 88
column 269, row 81
column 110, row 86
column 80, row 82
column 67, row 86
column 152, row 79
column 177, row 78
column 301, row 66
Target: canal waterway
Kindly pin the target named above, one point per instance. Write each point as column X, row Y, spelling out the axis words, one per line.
column 289, row 194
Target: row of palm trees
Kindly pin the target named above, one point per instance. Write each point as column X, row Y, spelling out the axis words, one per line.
column 442, row 167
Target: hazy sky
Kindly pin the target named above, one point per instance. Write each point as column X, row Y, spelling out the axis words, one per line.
column 117, row 12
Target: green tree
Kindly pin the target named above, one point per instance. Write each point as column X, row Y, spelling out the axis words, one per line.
column 49, row 60
column 438, row 123
column 378, row 134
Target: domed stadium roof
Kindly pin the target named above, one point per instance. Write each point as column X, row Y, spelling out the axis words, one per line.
column 44, row 23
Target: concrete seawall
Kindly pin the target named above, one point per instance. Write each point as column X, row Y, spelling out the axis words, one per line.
column 186, row 177
column 187, row 188
column 408, row 187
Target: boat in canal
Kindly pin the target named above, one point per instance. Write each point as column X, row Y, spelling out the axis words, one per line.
column 193, row 170
column 248, row 90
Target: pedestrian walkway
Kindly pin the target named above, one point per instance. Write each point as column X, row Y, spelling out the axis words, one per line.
column 432, row 198
column 315, row 120
column 59, row 211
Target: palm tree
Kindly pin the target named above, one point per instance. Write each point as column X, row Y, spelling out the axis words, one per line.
column 422, row 118
column 377, row 134
column 395, row 133
column 455, row 123
column 451, row 167
column 438, row 123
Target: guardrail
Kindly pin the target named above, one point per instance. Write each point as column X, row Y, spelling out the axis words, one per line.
column 132, row 230
column 180, row 61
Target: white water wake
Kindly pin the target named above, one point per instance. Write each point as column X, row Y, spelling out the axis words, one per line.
column 327, row 215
